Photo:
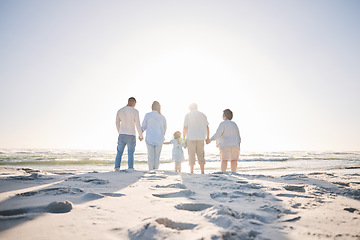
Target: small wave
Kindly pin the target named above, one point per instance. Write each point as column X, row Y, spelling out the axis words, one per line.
column 54, row 162
column 263, row 159
column 25, row 152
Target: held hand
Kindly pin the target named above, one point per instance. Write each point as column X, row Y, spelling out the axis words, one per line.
column 140, row 138
column 208, row 141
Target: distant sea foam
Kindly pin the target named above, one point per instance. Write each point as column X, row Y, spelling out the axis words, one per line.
column 247, row 161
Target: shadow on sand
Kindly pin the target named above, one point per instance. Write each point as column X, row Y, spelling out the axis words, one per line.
column 36, row 193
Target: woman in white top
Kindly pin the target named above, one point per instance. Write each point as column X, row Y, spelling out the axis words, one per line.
column 155, row 126
column 228, row 140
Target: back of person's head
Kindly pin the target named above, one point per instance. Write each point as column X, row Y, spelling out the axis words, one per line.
column 156, row 107
column 228, row 114
column 177, row 135
column 193, row 106
column 131, row 101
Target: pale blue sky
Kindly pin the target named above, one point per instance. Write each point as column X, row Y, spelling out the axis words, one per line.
column 289, row 70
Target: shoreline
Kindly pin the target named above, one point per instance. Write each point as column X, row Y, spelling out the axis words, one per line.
column 167, row 205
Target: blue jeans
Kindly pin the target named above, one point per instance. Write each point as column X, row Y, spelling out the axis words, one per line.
column 124, row 140
column 153, row 156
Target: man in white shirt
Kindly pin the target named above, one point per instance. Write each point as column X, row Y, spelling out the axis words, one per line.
column 127, row 118
column 196, row 131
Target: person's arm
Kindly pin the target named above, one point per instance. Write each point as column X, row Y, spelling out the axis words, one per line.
column 165, row 126
column 185, row 131
column 167, row 143
column 207, row 132
column 144, row 123
column 218, row 134
column 238, row 131
column 207, row 135
column 117, row 122
column 138, row 126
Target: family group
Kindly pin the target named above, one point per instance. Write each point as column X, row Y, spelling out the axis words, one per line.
column 195, row 134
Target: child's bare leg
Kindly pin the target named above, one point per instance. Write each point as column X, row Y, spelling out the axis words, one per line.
column 176, row 166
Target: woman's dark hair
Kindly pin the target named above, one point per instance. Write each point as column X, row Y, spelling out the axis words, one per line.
column 228, row 114
column 156, row 107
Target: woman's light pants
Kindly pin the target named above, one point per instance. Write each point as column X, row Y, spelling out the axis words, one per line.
column 153, row 156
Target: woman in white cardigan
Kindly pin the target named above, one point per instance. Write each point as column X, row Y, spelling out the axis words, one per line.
column 228, row 140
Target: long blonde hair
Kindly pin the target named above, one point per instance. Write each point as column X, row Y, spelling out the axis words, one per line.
column 156, row 107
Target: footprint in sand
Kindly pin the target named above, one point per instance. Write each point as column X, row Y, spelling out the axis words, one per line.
column 54, row 207
column 113, row 194
column 237, row 234
column 91, row 196
column 88, row 179
column 59, row 207
column 54, row 191
column 219, row 196
column 182, row 193
column 292, row 219
column 225, row 196
column 352, row 210
column 194, row 207
column 276, row 210
column 33, row 176
column 352, row 193
column 95, row 196
column 295, row 188
column 242, row 182
column 175, row 225
column 151, row 230
column 174, row 185
column 154, row 177
column 343, row 184
column 293, row 195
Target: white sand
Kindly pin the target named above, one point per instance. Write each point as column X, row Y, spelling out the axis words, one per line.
column 167, row 205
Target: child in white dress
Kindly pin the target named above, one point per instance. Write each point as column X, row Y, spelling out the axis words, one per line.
column 177, row 152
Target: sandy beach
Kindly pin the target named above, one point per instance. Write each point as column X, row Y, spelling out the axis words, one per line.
column 67, row 204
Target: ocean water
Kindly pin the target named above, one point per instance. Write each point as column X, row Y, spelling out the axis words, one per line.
column 248, row 162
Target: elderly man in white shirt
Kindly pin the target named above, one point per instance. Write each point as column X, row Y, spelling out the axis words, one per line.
column 155, row 126
column 127, row 118
column 228, row 140
column 196, row 130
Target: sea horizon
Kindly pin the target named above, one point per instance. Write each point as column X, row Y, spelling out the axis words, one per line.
column 103, row 160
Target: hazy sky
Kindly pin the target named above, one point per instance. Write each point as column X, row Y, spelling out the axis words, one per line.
column 289, row 70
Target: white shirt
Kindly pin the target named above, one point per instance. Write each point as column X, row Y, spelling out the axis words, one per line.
column 127, row 118
column 155, row 126
column 227, row 135
column 196, row 123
